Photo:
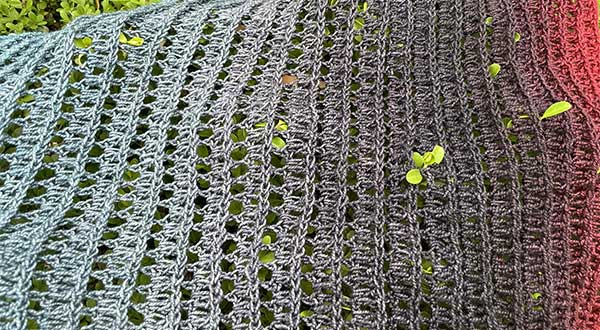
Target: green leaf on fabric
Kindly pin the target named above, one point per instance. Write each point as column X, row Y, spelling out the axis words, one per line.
column 359, row 23
column 556, row 109
column 536, row 295
column 281, row 126
column 438, row 154
column 278, row 142
column 27, row 98
column 517, row 36
column 80, row 59
column 427, row 267
column 235, row 207
column 306, row 313
column 414, row 176
column 84, row 42
column 239, row 135
column 428, row 158
column 136, row 41
column 122, row 38
column 266, row 256
column 363, row 8
column 417, row 159
column 494, row 69
column 266, row 240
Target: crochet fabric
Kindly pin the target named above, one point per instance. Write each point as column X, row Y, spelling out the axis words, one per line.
column 241, row 165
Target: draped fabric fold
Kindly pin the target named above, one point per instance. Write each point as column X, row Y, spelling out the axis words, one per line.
column 242, row 165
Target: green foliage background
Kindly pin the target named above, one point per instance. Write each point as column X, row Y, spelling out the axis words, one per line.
column 49, row 15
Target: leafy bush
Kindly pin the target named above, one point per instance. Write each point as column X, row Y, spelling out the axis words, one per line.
column 48, row 15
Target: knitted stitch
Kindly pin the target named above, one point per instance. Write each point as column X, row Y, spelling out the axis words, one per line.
column 240, row 164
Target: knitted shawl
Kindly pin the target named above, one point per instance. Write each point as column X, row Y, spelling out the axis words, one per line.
column 241, row 164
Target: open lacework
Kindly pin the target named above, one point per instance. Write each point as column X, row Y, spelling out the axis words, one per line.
column 241, row 165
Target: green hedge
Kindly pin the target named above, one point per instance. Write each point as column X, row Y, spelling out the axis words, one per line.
column 48, row 15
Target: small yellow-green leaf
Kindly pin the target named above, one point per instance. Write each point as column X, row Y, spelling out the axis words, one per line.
column 438, row 154
column 266, row 240
column 136, row 41
column 523, row 116
column 260, row 125
column 306, row 313
column 84, row 42
column 428, row 158
column 417, row 159
column 598, row 171
column 80, row 59
column 359, row 23
column 494, row 69
column 332, row 2
column 517, row 36
column 427, row 267
column 556, row 108
column 414, row 176
column 489, row 20
column 239, row 135
column 278, row 142
column 364, row 7
column 266, row 256
column 536, row 295
column 281, row 126
column 27, row 98
column 122, row 38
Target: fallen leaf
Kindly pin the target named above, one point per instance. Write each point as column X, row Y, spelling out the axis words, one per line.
column 289, row 79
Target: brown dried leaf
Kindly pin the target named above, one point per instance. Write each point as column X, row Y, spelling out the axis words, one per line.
column 288, row 79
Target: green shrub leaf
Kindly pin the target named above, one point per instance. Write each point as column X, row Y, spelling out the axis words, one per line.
column 359, row 23
column 556, row 108
column 438, row 154
column 278, row 142
column 414, row 176
column 136, row 41
column 306, row 313
column 122, row 38
column 266, row 240
column 281, row 126
column 428, row 158
column 83, row 42
column 363, row 8
column 417, row 159
column 266, row 256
